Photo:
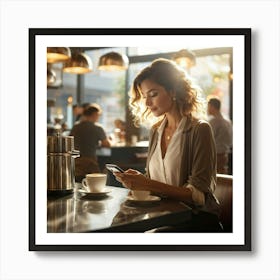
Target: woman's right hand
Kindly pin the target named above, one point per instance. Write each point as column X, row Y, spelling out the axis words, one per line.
column 122, row 178
column 134, row 180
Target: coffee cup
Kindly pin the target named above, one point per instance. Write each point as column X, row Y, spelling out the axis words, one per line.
column 140, row 195
column 94, row 182
column 134, row 139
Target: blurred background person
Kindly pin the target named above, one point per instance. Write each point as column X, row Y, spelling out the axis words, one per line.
column 119, row 131
column 88, row 135
column 77, row 112
column 222, row 129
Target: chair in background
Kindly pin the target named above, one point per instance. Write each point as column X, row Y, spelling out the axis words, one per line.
column 223, row 192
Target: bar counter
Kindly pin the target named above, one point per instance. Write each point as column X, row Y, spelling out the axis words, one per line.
column 114, row 211
column 127, row 156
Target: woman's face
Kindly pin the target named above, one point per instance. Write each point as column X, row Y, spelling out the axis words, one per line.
column 156, row 98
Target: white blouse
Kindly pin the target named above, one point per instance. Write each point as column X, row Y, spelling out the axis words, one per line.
column 167, row 169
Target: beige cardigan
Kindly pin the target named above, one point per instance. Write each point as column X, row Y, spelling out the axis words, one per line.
column 198, row 166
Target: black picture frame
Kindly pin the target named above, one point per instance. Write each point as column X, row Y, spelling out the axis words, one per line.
column 245, row 33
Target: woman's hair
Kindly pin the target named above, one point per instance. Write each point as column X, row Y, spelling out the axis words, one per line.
column 173, row 79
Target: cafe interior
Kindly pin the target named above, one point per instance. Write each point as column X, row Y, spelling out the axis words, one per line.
column 104, row 75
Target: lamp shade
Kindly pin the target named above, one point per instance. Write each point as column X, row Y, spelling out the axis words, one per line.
column 58, row 54
column 185, row 58
column 51, row 77
column 80, row 63
column 113, row 61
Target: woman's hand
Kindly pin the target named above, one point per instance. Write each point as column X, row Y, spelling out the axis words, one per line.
column 133, row 179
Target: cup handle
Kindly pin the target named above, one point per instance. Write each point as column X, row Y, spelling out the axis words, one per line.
column 84, row 184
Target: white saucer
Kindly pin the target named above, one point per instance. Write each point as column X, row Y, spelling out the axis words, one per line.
column 104, row 192
column 150, row 198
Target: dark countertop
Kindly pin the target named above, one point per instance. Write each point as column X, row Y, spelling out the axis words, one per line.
column 122, row 147
column 113, row 212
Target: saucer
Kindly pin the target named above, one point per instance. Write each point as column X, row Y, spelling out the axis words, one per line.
column 150, row 198
column 104, row 192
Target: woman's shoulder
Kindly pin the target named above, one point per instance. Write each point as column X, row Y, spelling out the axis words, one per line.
column 198, row 126
column 199, row 122
column 195, row 123
column 203, row 128
column 203, row 123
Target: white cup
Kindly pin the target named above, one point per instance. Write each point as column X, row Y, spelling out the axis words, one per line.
column 134, row 139
column 140, row 195
column 94, row 182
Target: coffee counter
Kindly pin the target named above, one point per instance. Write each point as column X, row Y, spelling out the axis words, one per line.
column 113, row 212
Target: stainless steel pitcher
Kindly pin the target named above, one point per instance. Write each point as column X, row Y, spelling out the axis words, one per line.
column 61, row 163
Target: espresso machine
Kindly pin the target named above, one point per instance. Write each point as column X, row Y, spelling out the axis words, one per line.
column 61, row 164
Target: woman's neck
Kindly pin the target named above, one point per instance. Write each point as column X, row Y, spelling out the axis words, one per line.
column 173, row 120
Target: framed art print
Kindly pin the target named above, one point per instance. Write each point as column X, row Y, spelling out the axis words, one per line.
column 69, row 218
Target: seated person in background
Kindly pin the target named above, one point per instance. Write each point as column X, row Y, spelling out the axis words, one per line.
column 77, row 112
column 88, row 135
column 119, row 130
column 222, row 130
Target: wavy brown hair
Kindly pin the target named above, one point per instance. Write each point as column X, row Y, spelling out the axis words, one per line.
column 174, row 79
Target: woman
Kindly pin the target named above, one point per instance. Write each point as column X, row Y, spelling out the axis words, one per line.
column 181, row 162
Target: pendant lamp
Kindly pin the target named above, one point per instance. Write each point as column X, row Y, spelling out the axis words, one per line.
column 185, row 58
column 113, row 61
column 51, row 77
column 80, row 63
column 58, row 54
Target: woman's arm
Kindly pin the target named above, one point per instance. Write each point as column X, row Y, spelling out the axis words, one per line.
column 203, row 169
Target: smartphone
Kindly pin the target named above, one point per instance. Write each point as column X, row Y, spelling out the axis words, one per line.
column 114, row 168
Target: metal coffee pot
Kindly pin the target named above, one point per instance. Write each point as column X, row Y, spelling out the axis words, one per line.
column 61, row 163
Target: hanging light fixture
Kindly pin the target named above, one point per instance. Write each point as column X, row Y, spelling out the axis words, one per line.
column 51, row 77
column 80, row 63
column 58, row 54
column 113, row 61
column 185, row 58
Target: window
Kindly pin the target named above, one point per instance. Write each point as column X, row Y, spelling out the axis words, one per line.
column 61, row 98
column 110, row 89
column 213, row 75
column 106, row 89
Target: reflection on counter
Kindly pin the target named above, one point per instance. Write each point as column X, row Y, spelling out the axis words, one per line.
column 78, row 212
